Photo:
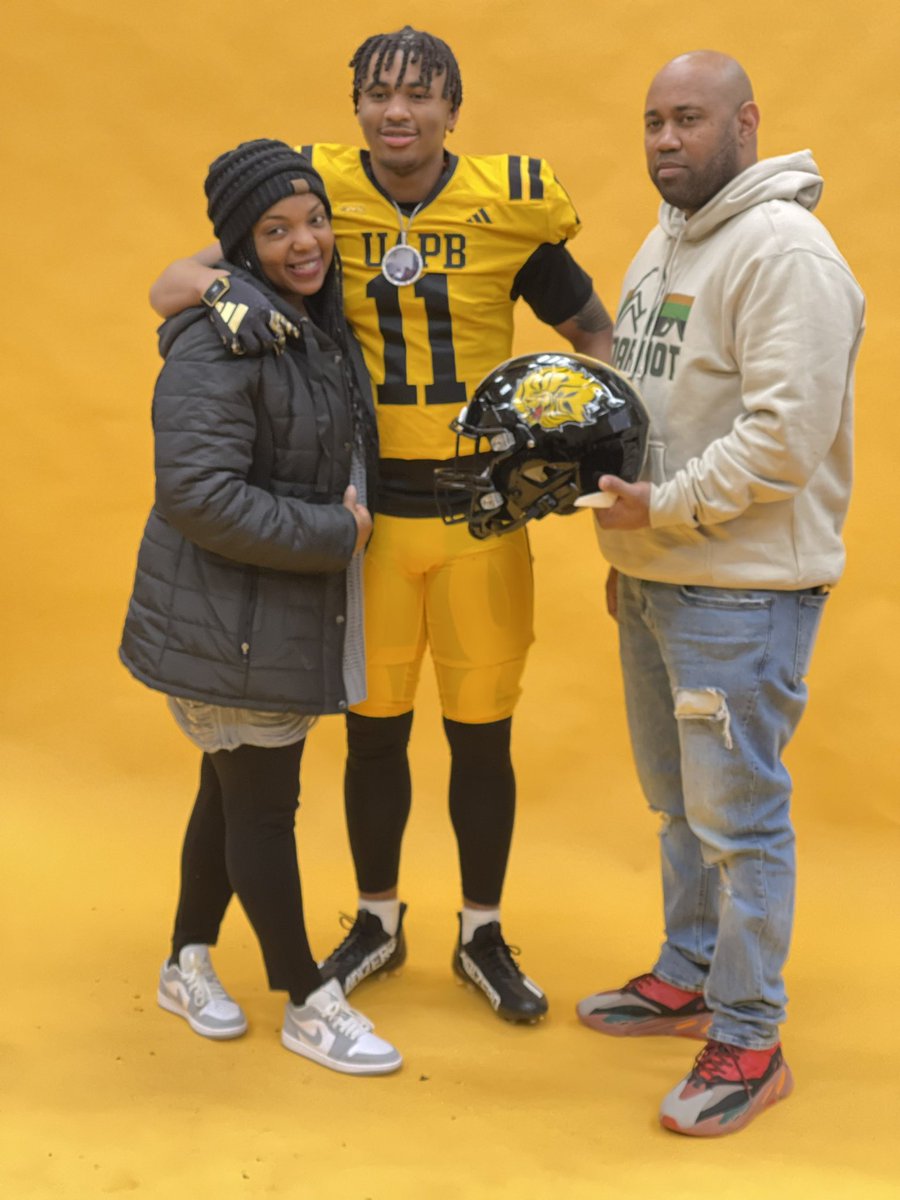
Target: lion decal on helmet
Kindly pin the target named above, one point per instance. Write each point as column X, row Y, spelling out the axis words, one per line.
column 554, row 396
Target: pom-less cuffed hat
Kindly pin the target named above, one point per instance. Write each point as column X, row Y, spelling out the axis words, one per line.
column 243, row 183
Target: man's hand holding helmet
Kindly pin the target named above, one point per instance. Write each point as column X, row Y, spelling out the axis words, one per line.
column 632, row 506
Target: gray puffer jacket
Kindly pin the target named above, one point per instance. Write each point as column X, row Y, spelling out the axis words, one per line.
column 240, row 594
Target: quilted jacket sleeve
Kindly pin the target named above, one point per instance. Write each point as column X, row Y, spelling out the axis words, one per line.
column 205, row 427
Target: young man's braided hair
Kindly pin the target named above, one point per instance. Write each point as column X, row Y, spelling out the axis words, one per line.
column 431, row 55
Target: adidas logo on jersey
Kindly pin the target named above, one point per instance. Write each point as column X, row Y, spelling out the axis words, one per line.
column 479, row 218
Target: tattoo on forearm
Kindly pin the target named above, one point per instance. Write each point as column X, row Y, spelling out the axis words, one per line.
column 593, row 318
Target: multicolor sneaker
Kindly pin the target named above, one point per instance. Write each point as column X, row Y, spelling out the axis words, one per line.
column 488, row 963
column 644, row 1007
column 725, row 1090
column 330, row 1032
column 367, row 950
column 191, row 989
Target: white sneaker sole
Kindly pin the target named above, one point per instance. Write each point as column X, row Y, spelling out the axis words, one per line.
column 298, row 1046
column 164, row 1000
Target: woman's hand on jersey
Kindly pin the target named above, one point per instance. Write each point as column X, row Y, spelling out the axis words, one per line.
column 361, row 516
column 631, row 509
column 247, row 323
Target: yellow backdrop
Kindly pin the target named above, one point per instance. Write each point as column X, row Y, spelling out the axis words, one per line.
column 111, row 114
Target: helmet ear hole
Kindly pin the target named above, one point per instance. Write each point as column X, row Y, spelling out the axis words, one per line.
column 554, row 424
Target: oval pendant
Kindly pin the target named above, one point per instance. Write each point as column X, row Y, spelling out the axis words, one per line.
column 402, row 265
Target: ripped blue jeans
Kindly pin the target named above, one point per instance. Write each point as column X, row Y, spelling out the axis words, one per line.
column 714, row 689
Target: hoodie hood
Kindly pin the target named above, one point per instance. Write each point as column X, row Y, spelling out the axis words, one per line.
column 790, row 177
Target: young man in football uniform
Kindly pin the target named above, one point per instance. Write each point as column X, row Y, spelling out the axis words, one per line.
column 436, row 249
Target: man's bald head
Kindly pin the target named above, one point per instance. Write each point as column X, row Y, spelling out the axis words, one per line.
column 700, row 127
column 718, row 74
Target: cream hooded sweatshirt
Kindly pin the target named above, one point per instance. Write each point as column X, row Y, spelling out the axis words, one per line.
column 740, row 326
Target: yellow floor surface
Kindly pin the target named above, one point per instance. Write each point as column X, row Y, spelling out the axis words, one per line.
column 104, row 1093
column 111, row 113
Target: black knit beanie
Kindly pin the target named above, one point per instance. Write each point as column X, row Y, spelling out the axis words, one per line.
column 243, row 183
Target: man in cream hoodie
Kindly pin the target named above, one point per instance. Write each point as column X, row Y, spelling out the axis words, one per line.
column 740, row 323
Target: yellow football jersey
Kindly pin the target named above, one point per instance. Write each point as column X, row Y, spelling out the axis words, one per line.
column 428, row 345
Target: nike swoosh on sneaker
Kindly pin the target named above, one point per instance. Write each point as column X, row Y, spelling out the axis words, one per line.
column 314, row 1039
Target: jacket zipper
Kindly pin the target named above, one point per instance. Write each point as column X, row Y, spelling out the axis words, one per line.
column 249, row 609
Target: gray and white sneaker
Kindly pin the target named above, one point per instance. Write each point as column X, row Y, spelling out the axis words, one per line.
column 330, row 1032
column 191, row 989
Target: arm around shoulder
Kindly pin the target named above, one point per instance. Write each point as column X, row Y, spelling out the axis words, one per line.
column 184, row 281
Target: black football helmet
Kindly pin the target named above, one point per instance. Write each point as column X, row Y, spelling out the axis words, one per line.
column 551, row 424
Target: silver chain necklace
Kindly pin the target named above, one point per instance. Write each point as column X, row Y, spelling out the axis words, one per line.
column 403, row 264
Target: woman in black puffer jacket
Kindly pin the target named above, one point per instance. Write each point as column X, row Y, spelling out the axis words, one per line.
column 246, row 609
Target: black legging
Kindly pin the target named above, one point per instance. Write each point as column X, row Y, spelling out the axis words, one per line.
column 240, row 839
column 377, row 796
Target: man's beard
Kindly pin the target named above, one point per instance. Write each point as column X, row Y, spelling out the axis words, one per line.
column 691, row 188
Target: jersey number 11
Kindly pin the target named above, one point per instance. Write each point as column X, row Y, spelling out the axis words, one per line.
column 397, row 389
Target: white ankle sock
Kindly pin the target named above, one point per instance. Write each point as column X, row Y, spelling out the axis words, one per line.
column 387, row 912
column 474, row 918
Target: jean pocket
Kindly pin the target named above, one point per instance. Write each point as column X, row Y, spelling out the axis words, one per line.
column 731, row 599
column 812, row 605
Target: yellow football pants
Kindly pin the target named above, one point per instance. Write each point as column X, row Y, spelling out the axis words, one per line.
column 469, row 601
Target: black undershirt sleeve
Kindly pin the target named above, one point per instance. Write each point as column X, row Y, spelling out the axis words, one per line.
column 552, row 284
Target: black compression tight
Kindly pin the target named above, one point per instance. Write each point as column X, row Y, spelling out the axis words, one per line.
column 482, row 805
column 240, row 839
column 482, row 801
column 377, row 796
